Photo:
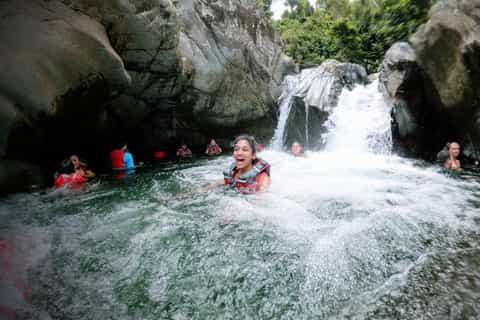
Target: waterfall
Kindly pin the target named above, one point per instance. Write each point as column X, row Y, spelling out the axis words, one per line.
column 360, row 122
column 289, row 86
column 314, row 86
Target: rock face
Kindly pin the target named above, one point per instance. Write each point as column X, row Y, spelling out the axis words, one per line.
column 199, row 68
column 315, row 96
column 237, row 64
column 436, row 80
column 83, row 74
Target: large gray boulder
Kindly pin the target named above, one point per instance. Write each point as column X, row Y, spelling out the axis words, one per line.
column 81, row 74
column 198, row 68
column 236, row 63
column 57, row 67
column 439, row 79
column 48, row 51
column 402, row 79
column 145, row 34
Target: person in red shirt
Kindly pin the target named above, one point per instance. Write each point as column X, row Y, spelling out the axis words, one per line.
column 213, row 149
column 117, row 157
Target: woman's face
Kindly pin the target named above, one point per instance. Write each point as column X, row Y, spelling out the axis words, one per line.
column 454, row 149
column 212, row 142
column 243, row 154
column 296, row 149
column 75, row 161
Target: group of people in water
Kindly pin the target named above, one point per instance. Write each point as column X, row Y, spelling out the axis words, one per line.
column 75, row 171
column 213, row 149
column 248, row 173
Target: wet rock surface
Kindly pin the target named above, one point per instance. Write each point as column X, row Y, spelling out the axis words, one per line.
column 435, row 80
column 85, row 74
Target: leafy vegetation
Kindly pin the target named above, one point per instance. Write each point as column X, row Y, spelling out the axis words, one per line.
column 358, row 31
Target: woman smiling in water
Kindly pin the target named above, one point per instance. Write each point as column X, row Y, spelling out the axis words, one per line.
column 248, row 173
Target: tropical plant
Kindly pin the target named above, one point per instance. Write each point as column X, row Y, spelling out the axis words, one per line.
column 357, row 31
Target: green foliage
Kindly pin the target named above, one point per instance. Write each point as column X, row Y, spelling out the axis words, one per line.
column 357, row 31
column 337, row 9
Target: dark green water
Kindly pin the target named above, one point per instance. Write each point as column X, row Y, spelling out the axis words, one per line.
column 380, row 238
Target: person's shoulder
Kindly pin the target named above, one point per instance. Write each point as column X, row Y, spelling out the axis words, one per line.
column 262, row 162
column 262, row 175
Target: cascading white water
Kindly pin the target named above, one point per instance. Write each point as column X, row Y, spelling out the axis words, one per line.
column 285, row 101
column 314, row 86
column 360, row 122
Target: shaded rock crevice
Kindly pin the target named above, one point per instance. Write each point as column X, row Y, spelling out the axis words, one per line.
column 440, row 83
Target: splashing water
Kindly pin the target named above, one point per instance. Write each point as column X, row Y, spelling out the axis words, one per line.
column 360, row 122
column 359, row 235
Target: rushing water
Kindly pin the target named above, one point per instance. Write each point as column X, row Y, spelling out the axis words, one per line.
column 365, row 235
column 314, row 86
column 361, row 123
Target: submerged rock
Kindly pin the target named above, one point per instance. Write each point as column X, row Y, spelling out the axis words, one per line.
column 437, row 79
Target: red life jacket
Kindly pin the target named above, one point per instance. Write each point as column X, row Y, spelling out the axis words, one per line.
column 213, row 149
column 64, row 179
column 116, row 157
column 249, row 181
column 159, row 154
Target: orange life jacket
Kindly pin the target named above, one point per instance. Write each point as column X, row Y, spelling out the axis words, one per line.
column 63, row 179
column 213, row 149
column 249, row 181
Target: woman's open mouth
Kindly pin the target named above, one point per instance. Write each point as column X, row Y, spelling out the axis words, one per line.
column 240, row 161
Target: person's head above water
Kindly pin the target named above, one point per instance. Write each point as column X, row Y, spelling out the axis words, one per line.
column 76, row 162
column 296, row 149
column 454, row 149
column 244, row 152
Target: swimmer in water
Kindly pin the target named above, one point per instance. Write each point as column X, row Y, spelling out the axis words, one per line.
column 297, row 150
column 452, row 163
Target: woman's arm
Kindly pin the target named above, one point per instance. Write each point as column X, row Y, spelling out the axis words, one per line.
column 89, row 173
column 264, row 182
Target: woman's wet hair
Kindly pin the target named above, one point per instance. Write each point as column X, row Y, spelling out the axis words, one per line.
column 250, row 140
column 449, row 144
